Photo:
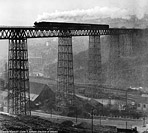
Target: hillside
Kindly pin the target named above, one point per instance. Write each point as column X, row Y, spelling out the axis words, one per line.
column 126, row 70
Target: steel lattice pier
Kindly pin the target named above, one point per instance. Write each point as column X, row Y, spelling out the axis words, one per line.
column 94, row 62
column 65, row 89
column 18, row 71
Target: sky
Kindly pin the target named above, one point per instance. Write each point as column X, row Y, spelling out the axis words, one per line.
column 26, row 12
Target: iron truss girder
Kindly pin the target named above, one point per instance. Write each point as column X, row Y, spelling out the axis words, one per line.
column 32, row 32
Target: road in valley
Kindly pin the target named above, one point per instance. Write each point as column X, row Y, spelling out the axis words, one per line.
column 112, row 122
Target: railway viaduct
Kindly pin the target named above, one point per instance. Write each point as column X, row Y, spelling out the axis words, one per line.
column 18, row 70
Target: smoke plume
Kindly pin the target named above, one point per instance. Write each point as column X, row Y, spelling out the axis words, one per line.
column 136, row 7
column 82, row 15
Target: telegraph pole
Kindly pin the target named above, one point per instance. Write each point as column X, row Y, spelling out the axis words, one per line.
column 92, row 119
column 76, row 114
column 126, row 124
column 101, row 111
column 51, row 112
column 126, row 99
column 126, row 105
column 144, row 125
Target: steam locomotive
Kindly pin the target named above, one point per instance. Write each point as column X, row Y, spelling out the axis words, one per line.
column 69, row 26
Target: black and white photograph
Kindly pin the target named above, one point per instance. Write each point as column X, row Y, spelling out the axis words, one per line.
column 73, row 66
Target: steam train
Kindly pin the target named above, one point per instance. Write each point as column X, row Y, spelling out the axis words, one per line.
column 70, row 26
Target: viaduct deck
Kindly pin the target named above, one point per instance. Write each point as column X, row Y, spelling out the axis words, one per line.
column 59, row 30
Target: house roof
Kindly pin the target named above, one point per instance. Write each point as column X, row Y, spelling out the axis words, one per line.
column 143, row 100
column 5, row 94
column 33, row 96
column 36, row 88
column 45, row 94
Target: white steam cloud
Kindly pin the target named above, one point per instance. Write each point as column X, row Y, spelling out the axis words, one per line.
column 95, row 13
column 82, row 15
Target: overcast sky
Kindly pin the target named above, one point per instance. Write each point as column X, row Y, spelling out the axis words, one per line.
column 25, row 12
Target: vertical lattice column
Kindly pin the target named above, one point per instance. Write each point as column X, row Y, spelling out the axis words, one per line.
column 94, row 63
column 114, row 48
column 113, row 57
column 126, row 51
column 126, row 43
column 18, row 76
column 65, row 75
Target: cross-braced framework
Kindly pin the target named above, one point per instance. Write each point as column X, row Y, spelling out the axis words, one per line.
column 126, row 50
column 18, row 76
column 126, row 44
column 41, row 32
column 94, row 62
column 114, row 55
column 120, row 46
column 65, row 75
